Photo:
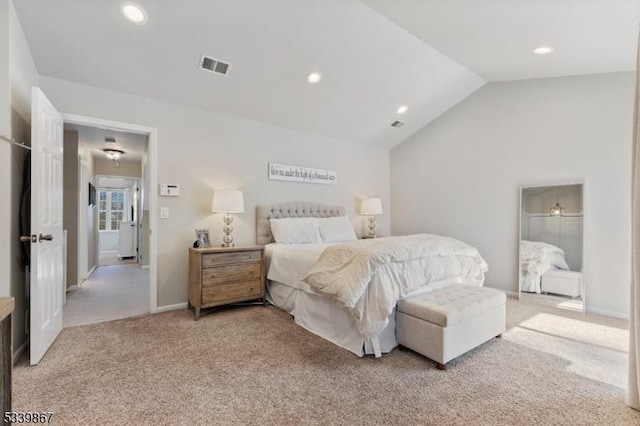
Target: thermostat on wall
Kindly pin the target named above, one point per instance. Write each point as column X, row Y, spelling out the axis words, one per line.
column 169, row 190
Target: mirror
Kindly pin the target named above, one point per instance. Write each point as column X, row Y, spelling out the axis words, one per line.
column 551, row 245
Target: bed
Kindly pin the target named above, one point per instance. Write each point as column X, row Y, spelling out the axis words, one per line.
column 537, row 259
column 300, row 283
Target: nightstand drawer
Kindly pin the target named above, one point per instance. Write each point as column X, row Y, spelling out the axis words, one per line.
column 230, row 273
column 231, row 292
column 215, row 259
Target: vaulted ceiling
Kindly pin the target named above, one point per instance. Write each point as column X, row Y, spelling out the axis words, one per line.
column 373, row 55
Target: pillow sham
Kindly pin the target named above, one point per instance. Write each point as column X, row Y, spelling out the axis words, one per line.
column 295, row 230
column 336, row 229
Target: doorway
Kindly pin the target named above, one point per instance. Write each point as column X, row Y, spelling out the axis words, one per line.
column 119, row 215
column 115, row 202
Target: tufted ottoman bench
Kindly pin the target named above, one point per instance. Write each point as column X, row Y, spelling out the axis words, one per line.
column 445, row 323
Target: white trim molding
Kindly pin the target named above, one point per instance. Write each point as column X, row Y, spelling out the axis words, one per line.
column 152, row 151
column 176, row 307
column 607, row 313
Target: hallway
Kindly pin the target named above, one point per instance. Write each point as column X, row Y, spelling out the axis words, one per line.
column 112, row 292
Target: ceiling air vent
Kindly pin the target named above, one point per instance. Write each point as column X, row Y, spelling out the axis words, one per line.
column 208, row 63
column 109, row 139
column 397, row 124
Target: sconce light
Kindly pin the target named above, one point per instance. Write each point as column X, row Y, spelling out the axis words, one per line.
column 371, row 207
column 227, row 202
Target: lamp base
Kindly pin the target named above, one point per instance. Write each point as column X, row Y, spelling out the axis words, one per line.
column 372, row 227
column 227, row 240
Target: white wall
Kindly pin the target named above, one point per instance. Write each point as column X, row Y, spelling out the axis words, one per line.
column 109, row 241
column 89, row 212
column 202, row 151
column 460, row 175
column 125, row 168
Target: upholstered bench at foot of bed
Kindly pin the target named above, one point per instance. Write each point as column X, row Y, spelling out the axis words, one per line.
column 443, row 324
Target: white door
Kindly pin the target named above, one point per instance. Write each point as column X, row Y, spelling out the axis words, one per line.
column 47, row 286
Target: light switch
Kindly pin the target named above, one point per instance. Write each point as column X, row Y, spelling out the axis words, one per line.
column 164, row 212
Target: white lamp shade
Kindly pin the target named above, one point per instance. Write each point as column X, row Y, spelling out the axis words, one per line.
column 227, row 202
column 371, row 206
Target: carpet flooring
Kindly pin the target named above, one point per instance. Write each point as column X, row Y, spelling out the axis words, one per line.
column 113, row 259
column 111, row 292
column 254, row 365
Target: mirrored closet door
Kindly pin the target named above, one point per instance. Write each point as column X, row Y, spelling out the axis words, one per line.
column 551, row 245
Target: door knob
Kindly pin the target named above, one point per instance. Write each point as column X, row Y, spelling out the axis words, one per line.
column 48, row 237
column 29, row 238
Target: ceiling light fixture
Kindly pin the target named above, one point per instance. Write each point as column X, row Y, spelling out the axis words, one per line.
column 403, row 109
column 543, row 50
column 133, row 13
column 113, row 154
column 314, row 78
column 557, row 210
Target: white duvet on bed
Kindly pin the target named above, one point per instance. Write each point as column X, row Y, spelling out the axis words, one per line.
column 290, row 263
column 369, row 276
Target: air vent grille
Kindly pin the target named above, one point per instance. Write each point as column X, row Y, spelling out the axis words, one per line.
column 217, row 66
column 110, row 140
column 397, row 124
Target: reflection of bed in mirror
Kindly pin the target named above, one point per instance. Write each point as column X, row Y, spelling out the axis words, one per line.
column 544, row 269
column 551, row 240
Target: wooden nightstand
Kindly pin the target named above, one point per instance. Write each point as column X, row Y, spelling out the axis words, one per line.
column 224, row 275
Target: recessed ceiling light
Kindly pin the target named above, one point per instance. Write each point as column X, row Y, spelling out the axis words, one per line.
column 543, row 50
column 403, row 109
column 133, row 12
column 314, row 78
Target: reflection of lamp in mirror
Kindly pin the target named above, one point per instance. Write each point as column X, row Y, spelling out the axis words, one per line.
column 227, row 202
column 557, row 210
column 371, row 207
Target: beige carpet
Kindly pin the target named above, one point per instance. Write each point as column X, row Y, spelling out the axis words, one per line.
column 253, row 365
column 113, row 259
column 111, row 292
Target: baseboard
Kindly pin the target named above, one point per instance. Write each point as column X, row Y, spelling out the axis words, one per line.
column 514, row 294
column 108, row 252
column 72, row 288
column 19, row 352
column 606, row 313
column 91, row 271
column 144, row 266
column 176, row 307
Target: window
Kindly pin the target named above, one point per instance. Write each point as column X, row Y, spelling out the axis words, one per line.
column 110, row 210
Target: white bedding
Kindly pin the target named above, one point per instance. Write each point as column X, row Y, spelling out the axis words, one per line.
column 536, row 258
column 368, row 277
column 290, row 263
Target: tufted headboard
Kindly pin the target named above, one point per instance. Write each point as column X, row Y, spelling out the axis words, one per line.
column 295, row 209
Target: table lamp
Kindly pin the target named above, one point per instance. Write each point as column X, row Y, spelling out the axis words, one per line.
column 227, row 202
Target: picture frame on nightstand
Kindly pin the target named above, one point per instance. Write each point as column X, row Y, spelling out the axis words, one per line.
column 202, row 238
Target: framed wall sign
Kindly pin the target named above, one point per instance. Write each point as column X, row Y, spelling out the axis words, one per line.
column 302, row 174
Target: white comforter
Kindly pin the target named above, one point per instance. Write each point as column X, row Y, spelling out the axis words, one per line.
column 369, row 276
column 536, row 258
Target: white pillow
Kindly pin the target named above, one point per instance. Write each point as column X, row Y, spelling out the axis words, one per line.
column 295, row 230
column 336, row 229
